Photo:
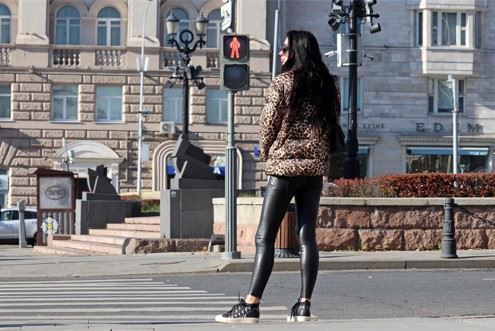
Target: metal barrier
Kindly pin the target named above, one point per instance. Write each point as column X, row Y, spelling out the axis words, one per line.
column 448, row 235
column 21, row 206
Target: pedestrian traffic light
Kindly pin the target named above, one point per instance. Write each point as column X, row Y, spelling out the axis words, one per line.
column 234, row 69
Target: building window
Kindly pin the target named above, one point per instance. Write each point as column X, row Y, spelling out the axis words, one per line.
column 440, row 96
column 109, row 104
column 216, row 106
column 68, row 26
column 345, row 94
column 172, row 105
column 4, row 102
column 64, row 103
column 184, row 24
column 448, row 28
column 213, row 33
column 440, row 159
column 419, row 28
column 478, row 32
column 5, row 23
column 108, row 27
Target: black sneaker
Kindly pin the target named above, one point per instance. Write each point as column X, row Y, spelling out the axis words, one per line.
column 241, row 313
column 300, row 312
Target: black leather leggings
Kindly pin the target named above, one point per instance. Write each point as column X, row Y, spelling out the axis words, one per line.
column 306, row 190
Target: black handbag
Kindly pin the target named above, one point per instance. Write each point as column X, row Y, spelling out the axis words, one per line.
column 337, row 140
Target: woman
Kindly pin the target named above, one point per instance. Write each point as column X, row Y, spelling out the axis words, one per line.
column 301, row 105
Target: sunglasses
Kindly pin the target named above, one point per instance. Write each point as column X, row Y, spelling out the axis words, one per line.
column 285, row 49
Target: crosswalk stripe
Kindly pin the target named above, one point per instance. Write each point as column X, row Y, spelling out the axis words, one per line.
column 139, row 285
column 128, row 317
column 114, row 299
column 120, row 303
column 61, row 288
column 117, row 280
column 113, row 295
column 48, row 291
column 40, row 310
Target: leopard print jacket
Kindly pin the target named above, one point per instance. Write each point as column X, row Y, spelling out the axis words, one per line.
column 291, row 147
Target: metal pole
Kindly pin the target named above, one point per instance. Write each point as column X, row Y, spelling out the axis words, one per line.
column 455, row 140
column 21, row 206
column 141, row 69
column 185, row 109
column 448, row 236
column 230, row 188
column 351, row 162
column 275, row 45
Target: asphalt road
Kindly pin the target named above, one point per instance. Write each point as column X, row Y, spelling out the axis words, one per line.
column 369, row 294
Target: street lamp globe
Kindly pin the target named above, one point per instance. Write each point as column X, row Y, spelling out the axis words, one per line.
column 172, row 24
column 201, row 24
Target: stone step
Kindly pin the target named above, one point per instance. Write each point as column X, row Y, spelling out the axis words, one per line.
column 134, row 227
column 98, row 248
column 125, row 233
column 143, row 220
column 99, row 239
column 65, row 251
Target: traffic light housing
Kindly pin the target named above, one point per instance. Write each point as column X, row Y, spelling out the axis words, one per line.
column 234, row 68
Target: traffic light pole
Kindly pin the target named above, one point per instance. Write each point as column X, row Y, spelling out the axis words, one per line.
column 351, row 162
column 230, row 187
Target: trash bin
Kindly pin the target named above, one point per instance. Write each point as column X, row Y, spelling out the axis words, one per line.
column 286, row 244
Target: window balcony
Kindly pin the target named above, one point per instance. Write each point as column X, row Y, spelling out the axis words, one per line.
column 449, row 60
column 207, row 58
column 5, row 55
column 71, row 56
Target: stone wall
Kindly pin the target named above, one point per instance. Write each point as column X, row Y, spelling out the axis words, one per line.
column 377, row 224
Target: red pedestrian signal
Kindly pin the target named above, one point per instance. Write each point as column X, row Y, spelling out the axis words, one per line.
column 234, row 69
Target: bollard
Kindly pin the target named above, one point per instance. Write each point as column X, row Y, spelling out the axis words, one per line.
column 21, row 206
column 448, row 235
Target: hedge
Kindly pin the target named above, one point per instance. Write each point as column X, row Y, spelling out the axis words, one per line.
column 416, row 186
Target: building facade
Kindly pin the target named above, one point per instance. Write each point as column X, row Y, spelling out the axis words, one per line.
column 70, row 89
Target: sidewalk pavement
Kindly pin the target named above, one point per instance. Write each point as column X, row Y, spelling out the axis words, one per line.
column 24, row 263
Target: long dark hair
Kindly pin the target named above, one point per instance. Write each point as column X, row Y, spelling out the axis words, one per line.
column 312, row 80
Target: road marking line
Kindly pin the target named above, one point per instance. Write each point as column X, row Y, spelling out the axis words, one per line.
column 85, row 281
column 116, row 287
column 48, row 291
column 114, row 299
column 120, row 303
column 87, row 319
column 59, row 311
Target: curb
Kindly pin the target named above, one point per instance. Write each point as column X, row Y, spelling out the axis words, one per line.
column 246, row 266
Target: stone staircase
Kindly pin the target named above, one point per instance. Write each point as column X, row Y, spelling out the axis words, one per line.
column 109, row 241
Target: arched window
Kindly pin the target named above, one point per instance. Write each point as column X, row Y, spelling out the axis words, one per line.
column 213, row 34
column 184, row 23
column 108, row 27
column 68, row 26
column 5, row 23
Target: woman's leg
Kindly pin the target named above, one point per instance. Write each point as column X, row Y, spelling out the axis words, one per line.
column 278, row 194
column 307, row 199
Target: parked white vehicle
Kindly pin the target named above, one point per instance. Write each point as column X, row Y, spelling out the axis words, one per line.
column 9, row 225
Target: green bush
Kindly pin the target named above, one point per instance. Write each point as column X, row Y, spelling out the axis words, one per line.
column 416, row 186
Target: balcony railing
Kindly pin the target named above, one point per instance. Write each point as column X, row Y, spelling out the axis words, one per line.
column 4, row 55
column 109, row 57
column 66, row 57
column 213, row 60
column 171, row 59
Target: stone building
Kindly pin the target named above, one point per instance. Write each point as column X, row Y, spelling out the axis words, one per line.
column 69, row 86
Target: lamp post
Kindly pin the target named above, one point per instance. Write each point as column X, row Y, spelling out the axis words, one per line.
column 142, row 65
column 189, row 72
column 352, row 15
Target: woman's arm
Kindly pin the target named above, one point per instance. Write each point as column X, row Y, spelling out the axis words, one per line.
column 271, row 117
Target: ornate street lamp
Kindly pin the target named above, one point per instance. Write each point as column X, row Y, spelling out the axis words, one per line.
column 189, row 72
